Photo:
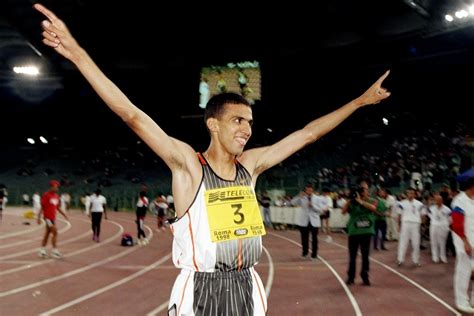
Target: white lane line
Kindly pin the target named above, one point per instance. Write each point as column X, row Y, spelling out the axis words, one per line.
column 412, row 282
column 271, row 272
column 20, row 261
column 268, row 286
column 351, row 297
column 71, row 273
column 12, row 244
column 25, row 252
column 106, row 288
column 33, row 229
column 82, row 250
column 160, row 308
column 66, row 241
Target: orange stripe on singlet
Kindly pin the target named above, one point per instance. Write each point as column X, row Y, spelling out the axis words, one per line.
column 192, row 241
column 201, row 159
column 184, row 290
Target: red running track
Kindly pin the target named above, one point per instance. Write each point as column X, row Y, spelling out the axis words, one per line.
column 105, row 278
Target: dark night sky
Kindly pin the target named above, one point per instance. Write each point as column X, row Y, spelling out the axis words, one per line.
column 313, row 60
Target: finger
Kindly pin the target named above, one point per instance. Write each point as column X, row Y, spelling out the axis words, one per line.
column 50, row 15
column 385, row 94
column 50, row 27
column 50, row 37
column 382, row 78
column 50, row 43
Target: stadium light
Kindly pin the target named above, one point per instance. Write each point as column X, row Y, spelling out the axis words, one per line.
column 461, row 14
column 43, row 140
column 471, row 9
column 26, row 70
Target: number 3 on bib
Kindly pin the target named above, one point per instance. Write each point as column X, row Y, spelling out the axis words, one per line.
column 233, row 213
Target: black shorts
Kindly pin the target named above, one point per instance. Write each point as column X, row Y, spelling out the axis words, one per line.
column 326, row 215
column 49, row 222
column 161, row 212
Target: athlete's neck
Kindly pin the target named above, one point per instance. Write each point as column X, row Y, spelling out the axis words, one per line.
column 222, row 163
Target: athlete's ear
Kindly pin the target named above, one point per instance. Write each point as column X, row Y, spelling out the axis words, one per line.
column 212, row 124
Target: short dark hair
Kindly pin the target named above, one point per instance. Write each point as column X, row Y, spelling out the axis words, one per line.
column 469, row 183
column 215, row 106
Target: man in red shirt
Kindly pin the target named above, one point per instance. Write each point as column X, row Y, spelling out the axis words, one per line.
column 49, row 206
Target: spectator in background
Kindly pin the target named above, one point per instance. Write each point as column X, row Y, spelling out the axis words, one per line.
column 170, row 201
column 265, row 202
column 463, row 237
column 380, row 217
column 360, row 229
column 36, row 203
column 142, row 207
column 26, row 199
column 411, row 213
column 161, row 205
column 3, row 199
column 49, row 207
column 63, row 202
column 86, row 201
column 98, row 206
column 327, row 204
column 447, row 196
column 309, row 220
column 439, row 215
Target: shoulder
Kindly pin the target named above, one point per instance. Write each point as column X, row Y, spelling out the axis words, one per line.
column 458, row 200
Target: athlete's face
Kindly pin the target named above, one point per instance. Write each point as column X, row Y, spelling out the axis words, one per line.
column 234, row 127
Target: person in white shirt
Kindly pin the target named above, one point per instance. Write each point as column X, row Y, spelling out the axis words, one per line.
column 26, row 199
column 63, row 203
column 392, row 216
column 87, row 203
column 170, row 201
column 410, row 213
column 326, row 209
column 161, row 206
column 308, row 220
column 97, row 207
column 36, row 203
column 439, row 215
column 463, row 238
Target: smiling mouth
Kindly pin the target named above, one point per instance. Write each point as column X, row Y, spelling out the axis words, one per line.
column 241, row 141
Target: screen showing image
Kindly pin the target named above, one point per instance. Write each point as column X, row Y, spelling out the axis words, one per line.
column 241, row 78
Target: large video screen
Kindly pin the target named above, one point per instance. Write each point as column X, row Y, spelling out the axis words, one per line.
column 242, row 78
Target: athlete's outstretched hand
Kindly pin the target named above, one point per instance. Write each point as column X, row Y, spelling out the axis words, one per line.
column 376, row 92
column 57, row 35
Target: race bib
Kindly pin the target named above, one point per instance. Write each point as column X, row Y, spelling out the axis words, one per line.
column 233, row 213
column 363, row 223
